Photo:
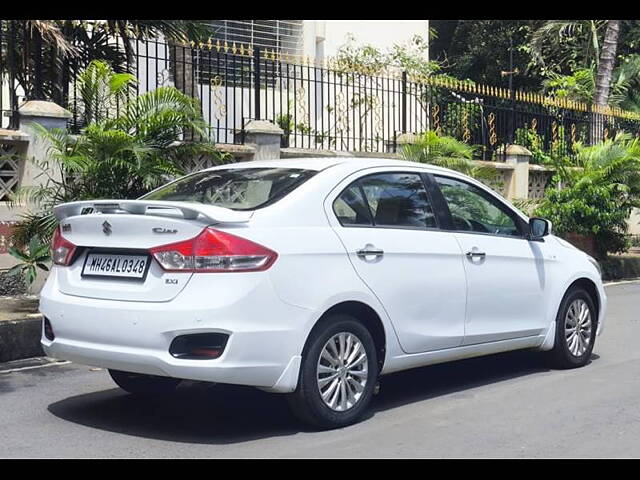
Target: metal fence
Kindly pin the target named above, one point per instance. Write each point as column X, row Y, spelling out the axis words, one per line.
column 332, row 105
column 8, row 83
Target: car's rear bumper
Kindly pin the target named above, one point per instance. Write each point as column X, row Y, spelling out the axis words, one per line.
column 155, row 362
column 263, row 348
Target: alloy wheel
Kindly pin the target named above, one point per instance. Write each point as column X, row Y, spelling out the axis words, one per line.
column 342, row 371
column 578, row 327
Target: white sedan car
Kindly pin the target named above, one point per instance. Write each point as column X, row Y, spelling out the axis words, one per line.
column 311, row 277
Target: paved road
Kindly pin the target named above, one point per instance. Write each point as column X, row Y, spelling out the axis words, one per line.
column 507, row 405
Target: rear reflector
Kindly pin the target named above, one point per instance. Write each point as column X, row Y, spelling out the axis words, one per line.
column 214, row 251
column 62, row 250
column 48, row 330
column 199, row 346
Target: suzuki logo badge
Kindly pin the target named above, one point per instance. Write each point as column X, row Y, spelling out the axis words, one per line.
column 106, row 228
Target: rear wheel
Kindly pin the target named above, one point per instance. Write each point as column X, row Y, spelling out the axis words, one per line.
column 139, row 384
column 338, row 374
column 576, row 324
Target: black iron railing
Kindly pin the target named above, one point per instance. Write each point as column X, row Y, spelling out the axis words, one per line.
column 328, row 106
column 8, row 83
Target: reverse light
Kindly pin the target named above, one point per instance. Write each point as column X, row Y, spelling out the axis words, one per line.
column 62, row 250
column 214, row 251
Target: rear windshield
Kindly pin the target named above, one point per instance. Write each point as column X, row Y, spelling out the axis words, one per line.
column 235, row 188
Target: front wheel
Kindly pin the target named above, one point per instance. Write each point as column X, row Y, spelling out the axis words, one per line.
column 139, row 384
column 576, row 324
column 338, row 374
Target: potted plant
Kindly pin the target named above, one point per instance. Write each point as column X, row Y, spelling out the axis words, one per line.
column 34, row 257
column 285, row 122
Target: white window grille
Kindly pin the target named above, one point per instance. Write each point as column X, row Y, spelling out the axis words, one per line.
column 280, row 36
column 284, row 36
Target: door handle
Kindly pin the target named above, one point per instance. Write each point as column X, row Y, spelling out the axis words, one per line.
column 472, row 254
column 369, row 250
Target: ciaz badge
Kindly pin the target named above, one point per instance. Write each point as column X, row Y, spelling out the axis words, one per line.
column 163, row 230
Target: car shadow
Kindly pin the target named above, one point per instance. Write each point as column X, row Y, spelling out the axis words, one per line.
column 225, row 414
column 455, row 378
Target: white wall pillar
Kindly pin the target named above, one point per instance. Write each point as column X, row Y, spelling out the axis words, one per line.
column 265, row 137
column 519, row 157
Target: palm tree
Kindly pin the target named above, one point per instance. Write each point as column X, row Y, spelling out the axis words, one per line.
column 48, row 53
column 606, row 63
column 178, row 34
column 447, row 152
column 602, row 59
column 614, row 161
column 586, row 51
column 121, row 157
column 579, row 39
column 603, row 78
column 581, row 84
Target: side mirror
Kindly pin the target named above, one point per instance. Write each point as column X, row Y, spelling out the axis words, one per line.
column 539, row 228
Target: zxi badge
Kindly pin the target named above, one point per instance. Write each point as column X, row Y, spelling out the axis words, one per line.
column 106, row 228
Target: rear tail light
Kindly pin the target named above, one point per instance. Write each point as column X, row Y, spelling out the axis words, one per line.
column 214, row 251
column 62, row 250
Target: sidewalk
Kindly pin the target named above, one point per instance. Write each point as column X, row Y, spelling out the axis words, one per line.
column 20, row 328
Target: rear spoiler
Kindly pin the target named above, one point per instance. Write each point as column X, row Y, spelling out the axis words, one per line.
column 190, row 211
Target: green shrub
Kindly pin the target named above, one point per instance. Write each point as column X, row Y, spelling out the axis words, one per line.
column 596, row 199
column 619, row 267
column 589, row 209
column 285, row 122
column 457, row 115
column 530, row 139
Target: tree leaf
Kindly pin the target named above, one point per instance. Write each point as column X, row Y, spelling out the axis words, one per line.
column 15, row 270
column 17, row 254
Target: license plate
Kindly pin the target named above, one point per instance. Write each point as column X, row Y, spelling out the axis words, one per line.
column 115, row 265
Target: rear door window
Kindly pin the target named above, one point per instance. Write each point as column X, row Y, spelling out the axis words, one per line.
column 398, row 200
column 234, row 188
column 386, row 200
column 350, row 207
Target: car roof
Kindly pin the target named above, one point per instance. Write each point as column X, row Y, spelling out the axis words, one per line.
column 322, row 163
column 355, row 164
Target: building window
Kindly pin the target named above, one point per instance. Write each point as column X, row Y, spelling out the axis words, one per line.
column 282, row 36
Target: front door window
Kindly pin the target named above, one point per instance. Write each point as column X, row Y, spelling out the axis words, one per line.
column 474, row 211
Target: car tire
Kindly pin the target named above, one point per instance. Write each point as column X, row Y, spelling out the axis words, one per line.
column 140, row 384
column 575, row 336
column 347, row 390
